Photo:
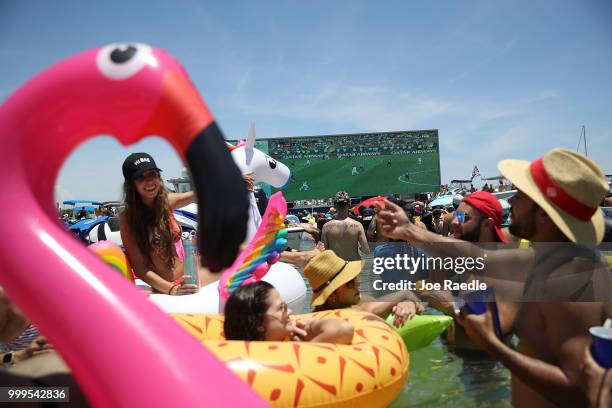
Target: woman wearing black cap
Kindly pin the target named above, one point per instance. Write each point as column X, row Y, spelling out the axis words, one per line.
column 150, row 234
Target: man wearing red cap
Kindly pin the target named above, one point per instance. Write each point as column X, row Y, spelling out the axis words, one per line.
column 477, row 219
column 482, row 217
column 566, row 284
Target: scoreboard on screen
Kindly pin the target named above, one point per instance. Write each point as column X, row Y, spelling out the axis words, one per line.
column 362, row 164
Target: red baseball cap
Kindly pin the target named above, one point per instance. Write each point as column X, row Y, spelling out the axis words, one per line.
column 490, row 207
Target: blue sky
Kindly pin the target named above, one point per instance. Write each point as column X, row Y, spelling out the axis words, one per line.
column 498, row 79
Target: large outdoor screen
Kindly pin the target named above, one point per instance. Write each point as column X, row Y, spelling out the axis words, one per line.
column 362, row 164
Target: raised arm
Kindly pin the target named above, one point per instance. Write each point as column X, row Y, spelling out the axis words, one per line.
column 505, row 264
column 178, row 200
column 394, row 223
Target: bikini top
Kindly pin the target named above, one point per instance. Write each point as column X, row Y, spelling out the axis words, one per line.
column 175, row 230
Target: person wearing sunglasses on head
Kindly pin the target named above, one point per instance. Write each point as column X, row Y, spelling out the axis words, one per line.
column 257, row 312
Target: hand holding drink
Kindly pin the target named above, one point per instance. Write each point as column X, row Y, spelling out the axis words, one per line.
column 192, row 276
column 602, row 344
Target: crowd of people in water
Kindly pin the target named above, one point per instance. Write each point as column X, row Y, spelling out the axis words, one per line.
column 552, row 282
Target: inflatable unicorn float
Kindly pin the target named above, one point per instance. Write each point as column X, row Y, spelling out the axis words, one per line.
column 263, row 168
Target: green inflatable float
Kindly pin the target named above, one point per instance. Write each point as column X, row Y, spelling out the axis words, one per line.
column 421, row 330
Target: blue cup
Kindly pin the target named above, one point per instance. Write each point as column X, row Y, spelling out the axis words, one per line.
column 601, row 349
column 476, row 301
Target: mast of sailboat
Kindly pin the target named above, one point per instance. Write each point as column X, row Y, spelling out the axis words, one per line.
column 583, row 137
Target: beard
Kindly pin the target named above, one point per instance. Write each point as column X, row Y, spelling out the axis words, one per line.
column 472, row 235
column 525, row 227
column 349, row 301
column 337, row 303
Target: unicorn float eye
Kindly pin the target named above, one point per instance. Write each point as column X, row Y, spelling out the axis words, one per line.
column 122, row 61
column 271, row 162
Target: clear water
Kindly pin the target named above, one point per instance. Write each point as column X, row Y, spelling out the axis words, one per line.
column 440, row 376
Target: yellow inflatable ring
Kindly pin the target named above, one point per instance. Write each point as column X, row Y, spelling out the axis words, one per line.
column 370, row 372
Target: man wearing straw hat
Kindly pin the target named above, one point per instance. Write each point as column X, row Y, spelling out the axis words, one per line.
column 335, row 285
column 557, row 202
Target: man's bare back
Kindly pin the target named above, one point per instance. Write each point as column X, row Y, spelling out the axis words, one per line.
column 345, row 237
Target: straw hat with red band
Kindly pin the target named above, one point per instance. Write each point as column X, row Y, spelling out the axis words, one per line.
column 568, row 187
column 326, row 272
column 490, row 207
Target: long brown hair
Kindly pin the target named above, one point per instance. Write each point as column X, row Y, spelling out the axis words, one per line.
column 150, row 225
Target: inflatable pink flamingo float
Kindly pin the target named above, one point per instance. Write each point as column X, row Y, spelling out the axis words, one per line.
column 122, row 350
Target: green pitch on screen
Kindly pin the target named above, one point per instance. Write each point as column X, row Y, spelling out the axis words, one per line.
column 362, row 164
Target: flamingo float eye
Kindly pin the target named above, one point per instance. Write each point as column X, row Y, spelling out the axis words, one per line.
column 271, row 162
column 121, row 61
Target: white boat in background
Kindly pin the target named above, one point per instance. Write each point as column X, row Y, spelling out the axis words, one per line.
column 504, row 195
column 187, row 216
column 462, row 187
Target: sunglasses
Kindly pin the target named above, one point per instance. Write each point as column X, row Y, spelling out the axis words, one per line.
column 461, row 216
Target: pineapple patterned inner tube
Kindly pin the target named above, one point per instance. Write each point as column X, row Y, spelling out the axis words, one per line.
column 368, row 373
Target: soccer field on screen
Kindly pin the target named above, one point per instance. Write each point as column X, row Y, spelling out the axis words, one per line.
column 362, row 164
column 363, row 175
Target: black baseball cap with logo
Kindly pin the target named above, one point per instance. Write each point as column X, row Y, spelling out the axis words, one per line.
column 136, row 164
